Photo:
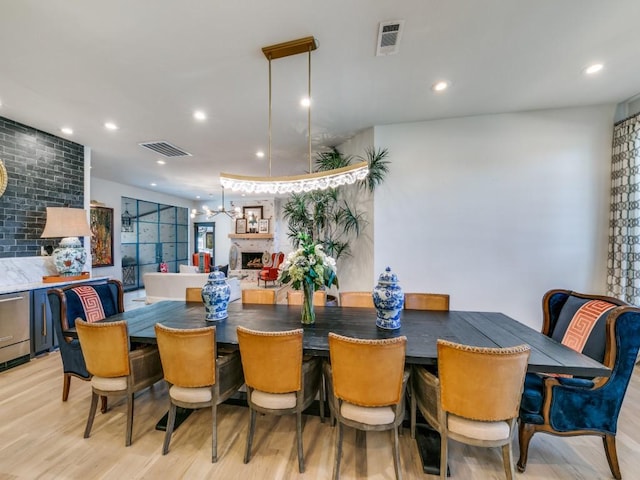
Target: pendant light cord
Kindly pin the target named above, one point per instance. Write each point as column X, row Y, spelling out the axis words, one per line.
column 309, row 110
column 269, row 115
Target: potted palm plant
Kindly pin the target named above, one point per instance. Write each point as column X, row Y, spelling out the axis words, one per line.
column 331, row 217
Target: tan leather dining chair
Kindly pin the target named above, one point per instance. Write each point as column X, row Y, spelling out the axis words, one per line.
column 251, row 295
column 479, row 391
column 278, row 381
column 116, row 370
column 366, row 383
column 356, row 299
column 295, row 297
column 197, row 377
column 426, row 301
column 193, row 294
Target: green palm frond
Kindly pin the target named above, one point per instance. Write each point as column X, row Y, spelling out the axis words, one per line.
column 378, row 167
column 327, row 216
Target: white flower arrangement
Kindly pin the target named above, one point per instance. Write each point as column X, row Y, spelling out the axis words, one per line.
column 308, row 264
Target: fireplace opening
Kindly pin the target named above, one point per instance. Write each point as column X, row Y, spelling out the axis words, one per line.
column 252, row 260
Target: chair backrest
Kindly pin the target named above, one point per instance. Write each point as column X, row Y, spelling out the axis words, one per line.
column 426, row 301
column 271, row 361
column 90, row 302
column 367, row 372
column 193, row 294
column 105, row 347
column 295, row 297
column 279, row 258
column 356, row 299
column 481, row 383
column 579, row 321
column 188, row 356
column 258, row 295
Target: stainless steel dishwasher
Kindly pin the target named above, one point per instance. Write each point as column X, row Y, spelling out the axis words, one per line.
column 14, row 328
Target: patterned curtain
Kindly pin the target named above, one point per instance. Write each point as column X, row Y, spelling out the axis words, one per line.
column 623, row 266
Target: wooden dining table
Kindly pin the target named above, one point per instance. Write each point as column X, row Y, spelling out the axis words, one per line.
column 422, row 329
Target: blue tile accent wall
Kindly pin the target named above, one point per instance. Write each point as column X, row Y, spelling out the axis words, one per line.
column 44, row 171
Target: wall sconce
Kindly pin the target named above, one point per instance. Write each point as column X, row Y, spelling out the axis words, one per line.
column 69, row 224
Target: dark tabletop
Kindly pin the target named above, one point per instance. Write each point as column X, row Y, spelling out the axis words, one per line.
column 422, row 329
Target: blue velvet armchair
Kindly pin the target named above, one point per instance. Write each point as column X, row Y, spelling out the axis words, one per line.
column 607, row 330
column 67, row 304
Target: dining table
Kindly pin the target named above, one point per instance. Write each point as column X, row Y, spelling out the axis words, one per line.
column 421, row 327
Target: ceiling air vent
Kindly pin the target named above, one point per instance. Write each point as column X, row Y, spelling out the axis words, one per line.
column 165, row 148
column 389, row 34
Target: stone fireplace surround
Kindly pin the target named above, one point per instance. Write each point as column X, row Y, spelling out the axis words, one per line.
column 256, row 247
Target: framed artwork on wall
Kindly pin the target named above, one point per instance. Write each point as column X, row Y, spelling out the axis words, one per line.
column 241, row 225
column 263, row 225
column 252, row 215
column 101, row 222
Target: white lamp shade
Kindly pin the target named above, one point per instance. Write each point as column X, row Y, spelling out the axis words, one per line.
column 66, row 222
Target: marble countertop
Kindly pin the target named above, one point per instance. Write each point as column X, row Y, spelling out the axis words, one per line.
column 37, row 285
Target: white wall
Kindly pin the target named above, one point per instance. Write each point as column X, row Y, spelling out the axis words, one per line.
column 497, row 209
column 110, row 194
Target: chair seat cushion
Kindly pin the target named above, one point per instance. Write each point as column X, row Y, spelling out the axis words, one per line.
column 109, row 384
column 368, row 415
column 273, row 401
column 477, row 429
column 190, row 394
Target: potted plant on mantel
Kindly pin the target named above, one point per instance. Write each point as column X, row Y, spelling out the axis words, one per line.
column 330, row 217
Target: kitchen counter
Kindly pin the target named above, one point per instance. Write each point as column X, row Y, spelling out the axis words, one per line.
column 21, row 274
column 37, row 285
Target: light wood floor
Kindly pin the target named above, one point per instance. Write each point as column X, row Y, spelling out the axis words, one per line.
column 41, row 437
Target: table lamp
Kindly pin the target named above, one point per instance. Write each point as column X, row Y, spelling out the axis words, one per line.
column 68, row 224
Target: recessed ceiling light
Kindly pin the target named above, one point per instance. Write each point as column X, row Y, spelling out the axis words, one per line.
column 259, row 154
column 66, row 131
column 110, row 126
column 595, row 68
column 160, row 162
column 154, row 184
column 440, row 86
column 199, row 115
column 305, row 102
column 197, row 196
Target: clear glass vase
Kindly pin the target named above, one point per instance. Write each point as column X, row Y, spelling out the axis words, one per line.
column 308, row 315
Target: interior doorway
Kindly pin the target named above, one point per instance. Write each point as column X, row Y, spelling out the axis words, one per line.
column 204, row 239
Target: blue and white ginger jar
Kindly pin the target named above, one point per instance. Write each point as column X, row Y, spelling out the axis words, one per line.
column 215, row 295
column 388, row 299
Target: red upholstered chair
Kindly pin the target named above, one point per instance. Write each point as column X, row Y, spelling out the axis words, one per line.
column 270, row 273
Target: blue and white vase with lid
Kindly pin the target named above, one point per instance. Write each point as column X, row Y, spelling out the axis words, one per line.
column 215, row 295
column 388, row 299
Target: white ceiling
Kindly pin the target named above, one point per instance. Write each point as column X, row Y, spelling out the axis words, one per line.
column 148, row 64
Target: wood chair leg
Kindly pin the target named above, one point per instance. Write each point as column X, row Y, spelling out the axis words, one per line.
column 413, row 407
column 507, row 460
column 252, row 426
column 612, row 455
column 525, row 432
column 92, row 414
column 323, row 396
column 214, row 432
column 299, row 441
column 336, row 465
column 129, row 420
column 443, row 453
column 396, row 454
column 66, row 385
column 103, row 404
column 171, row 420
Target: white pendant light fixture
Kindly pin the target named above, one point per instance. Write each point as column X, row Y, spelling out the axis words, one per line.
column 294, row 183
